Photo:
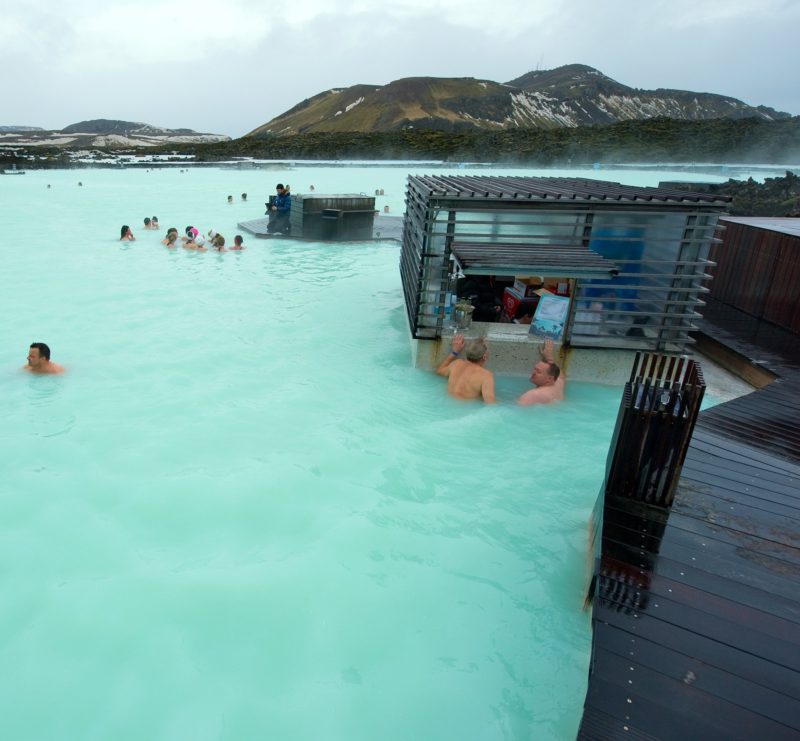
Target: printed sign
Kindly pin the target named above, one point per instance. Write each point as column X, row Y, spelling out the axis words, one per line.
column 551, row 314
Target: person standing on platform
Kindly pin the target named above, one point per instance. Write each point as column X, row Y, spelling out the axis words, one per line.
column 279, row 211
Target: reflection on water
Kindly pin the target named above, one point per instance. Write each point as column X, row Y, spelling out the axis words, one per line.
column 44, row 413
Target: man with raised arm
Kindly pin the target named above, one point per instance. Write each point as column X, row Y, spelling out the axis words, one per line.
column 39, row 360
column 547, row 378
column 467, row 378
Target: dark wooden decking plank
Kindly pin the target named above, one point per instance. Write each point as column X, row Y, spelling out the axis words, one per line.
column 708, row 485
column 709, row 440
column 696, row 537
column 656, row 702
column 750, row 411
column 751, row 595
column 736, row 628
column 721, row 658
column 646, row 717
column 706, row 536
column 760, row 570
column 702, row 677
column 737, row 471
column 743, row 615
column 771, row 435
column 724, row 656
column 735, row 515
column 696, row 534
column 599, row 726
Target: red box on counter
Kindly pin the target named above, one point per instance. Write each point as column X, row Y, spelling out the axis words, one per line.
column 512, row 300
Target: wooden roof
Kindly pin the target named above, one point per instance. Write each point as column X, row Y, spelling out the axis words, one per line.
column 572, row 190
column 783, row 224
column 480, row 258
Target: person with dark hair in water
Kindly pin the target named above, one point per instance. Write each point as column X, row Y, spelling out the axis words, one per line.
column 39, row 360
column 279, row 208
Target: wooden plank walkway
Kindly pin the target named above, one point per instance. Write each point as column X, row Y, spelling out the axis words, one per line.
column 696, row 634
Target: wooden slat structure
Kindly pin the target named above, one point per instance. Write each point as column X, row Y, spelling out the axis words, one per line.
column 527, row 259
column 656, row 239
column 696, row 610
column 572, row 190
column 758, row 268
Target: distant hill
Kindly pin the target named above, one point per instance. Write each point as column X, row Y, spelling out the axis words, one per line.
column 124, row 128
column 106, row 134
column 569, row 96
column 18, row 129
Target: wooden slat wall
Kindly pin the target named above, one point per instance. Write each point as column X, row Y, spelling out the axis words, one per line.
column 758, row 272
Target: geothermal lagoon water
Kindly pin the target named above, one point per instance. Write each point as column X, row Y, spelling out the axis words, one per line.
column 242, row 514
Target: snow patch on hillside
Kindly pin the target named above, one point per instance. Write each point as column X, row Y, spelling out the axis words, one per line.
column 354, row 104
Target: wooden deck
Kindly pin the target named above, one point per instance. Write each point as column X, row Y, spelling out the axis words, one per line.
column 697, row 634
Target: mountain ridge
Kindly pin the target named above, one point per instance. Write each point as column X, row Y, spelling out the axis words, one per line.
column 568, row 96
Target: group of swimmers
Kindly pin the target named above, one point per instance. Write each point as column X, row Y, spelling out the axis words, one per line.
column 468, row 379
column 192, row 239
column 126, row 233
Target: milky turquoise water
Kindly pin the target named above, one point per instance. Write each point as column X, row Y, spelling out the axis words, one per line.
column 242, row 514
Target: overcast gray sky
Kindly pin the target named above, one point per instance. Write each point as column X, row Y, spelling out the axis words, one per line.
column 229, row 66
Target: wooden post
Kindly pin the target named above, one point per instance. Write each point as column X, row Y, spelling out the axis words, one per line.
column 654, row 425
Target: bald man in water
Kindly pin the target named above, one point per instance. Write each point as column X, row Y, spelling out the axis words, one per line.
column 467, row 379
column 39, row 360
column 547, row 377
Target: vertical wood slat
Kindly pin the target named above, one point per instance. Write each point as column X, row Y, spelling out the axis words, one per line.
column 758, row 272
column 657, row 414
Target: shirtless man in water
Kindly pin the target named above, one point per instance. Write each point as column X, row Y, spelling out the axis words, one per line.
column 467, row 379
column 39, row 360
column 547, row 377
